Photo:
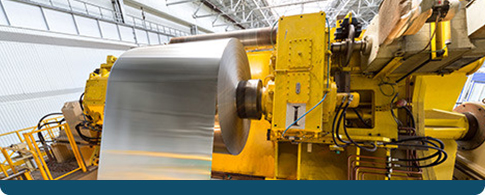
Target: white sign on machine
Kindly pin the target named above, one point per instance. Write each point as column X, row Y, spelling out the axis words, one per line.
column 293, row 112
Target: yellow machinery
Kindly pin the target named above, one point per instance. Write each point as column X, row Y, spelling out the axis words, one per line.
column 347, row 103
column 95, row 91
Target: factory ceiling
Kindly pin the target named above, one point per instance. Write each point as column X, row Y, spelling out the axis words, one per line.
column 247, row 14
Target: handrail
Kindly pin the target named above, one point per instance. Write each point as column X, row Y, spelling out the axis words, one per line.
column 50, row 132
column 21, row 140
column 113, row 15
column 39, row 157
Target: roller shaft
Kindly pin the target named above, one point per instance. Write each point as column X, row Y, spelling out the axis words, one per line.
column 253, row 37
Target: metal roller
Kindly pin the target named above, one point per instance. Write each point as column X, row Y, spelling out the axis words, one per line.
column 169, row 107
column 252, row 37
column 475, row 136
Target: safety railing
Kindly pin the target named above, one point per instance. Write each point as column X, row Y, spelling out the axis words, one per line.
column 27, row 137
column 94, row 11
column 146, row 24
column 80, row 7
column 8, row 164
column 39, row 157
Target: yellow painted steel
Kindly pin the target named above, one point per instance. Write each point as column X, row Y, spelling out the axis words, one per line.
column 75, row 149
column 94, row 158
column 95, row 91
column 4, row 170
column 28, row 176
column 9, row 160
column 300, row 72
column 38, row 155
column 442, row 37
column 338, row 24
column 389, row 68
column 356, row 98
column 441, row 93
column 68, row 173
column 445, row 124
column 37, row 159
column 11, row 165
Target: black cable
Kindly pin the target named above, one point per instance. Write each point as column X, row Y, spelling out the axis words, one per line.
column 438, row 161
column 81, row 102
column 361, row 118
column 392, row 87
column 50, row 123
column 334, row 121
column 41, row 138
column 424, row 158
column 342, row 117
column 87, row 125
column 40, row 125
column 442, row 145
column 355, row 143
column 399, row 123
column 84, row 137
column 45, row 116
column 441, row 153
column 410, row 113
column 86, row 117
column 340, row 121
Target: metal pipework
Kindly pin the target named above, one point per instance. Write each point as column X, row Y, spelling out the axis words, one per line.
column 253, row 37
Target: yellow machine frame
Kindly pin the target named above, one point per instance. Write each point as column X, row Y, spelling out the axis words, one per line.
column 314, row 157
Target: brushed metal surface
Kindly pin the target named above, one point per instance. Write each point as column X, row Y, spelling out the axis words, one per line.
column 161, row 108
column 252, row 37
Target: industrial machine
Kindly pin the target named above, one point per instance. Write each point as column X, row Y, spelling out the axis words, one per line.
column 345, row 102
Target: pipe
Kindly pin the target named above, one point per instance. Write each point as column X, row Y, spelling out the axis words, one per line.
column 349, row 161
column 356, row 171
column 351, row 166
column 253, row 37
column 362, row 177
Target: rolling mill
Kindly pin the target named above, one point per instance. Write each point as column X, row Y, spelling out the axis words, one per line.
column 300, row 100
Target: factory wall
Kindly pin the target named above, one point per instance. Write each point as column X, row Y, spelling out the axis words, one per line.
column 46, row 54
column 45, row 61
column 40, row 72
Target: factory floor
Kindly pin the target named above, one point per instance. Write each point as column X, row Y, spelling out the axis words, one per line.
column 79, row 175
